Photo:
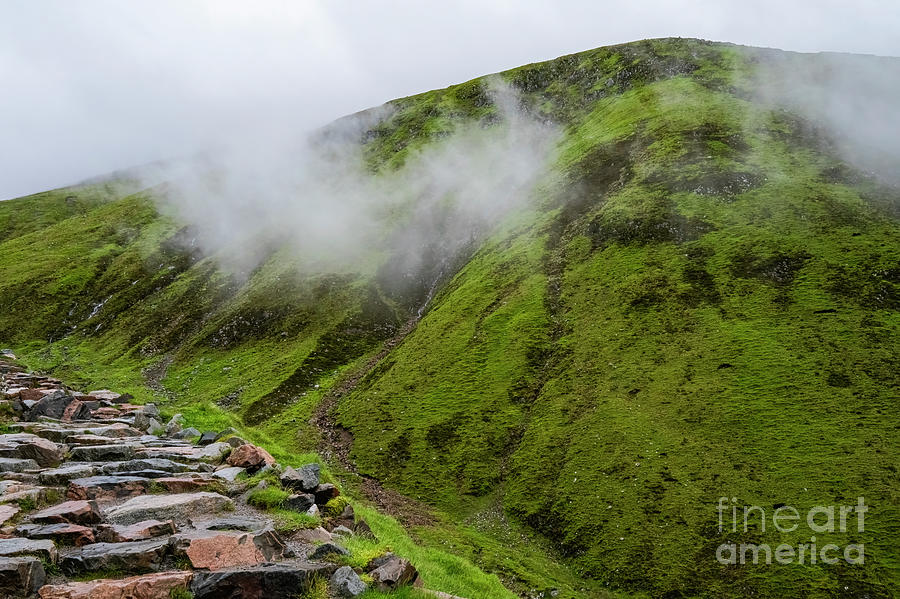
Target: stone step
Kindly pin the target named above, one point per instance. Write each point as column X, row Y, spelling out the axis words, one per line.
column 74, row 512
column 154, row 464
column 63, row 533
column 26, row 446
column 139, row 531
column 43, row 549
column 105, row 488
column 159, row 585
column 136, row 556
column 179, row 507
column 65, row 473
column 285, row 580
column 217, row 550
column 17, row 465
column 20, row 576
column 103, row 453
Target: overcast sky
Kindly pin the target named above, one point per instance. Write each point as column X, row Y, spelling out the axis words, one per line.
column 89, row 86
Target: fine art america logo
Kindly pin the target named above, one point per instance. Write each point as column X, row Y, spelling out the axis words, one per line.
column 786, row 519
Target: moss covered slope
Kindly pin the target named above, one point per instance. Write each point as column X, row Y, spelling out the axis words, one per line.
column 700, row 301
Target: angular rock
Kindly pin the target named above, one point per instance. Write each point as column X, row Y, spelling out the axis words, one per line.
column 250, row 457
column 220, row 550
column 105, row 394
column 394, row 573
column 175, row 425
column 139, row 531
column 53, row 405
column 207, row 438
column 313, row 535
column 189, row 453
column 229, row 474
column 347, row 583
column 226, row 433
column 89, row 440
column 104, row 413
column 179, row 507
column 76, row 410
column 304, row 479
column 107, row 487
column 74, row 512
column 184, row 484
column 61, row 476
column 299, row 502
column 102, row 453
column 43, row 549
column 64, row 533
column 17, row 465
column 26, row 446
column 20, row 576
column 325, row 493
column 159, row 585
column 341, row 531
column 136, row 556
column 276, row 581
column 155, row 427
column 325, row 549
column 188, row 433
column 7, row 512
column 233, row 523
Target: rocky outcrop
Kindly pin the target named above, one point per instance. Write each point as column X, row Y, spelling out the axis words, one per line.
column 158, row 508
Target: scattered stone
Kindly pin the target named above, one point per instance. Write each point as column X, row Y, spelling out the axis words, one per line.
column 304, row 479
column 53, row 405
column 325, row 549
column 76, row 410
column 299, row 503
column 217, row 551
column 341, row 531
column 207, row 438
column 136, row 556
column 139, row 531
column 226, row 433
column 63, row 533
column 168, row 507
column 314, row 511
column 314, row 535
column 229, row 474
column 275, row 581
column 43, row 549
column 251, row 457
column 159, row 585
column 188, row 433
column 20, row 576
column 325, row 493
column 235, row 523
column 105, row 394
column 362, row 529
column 175, row 425
column 74, row 512
column 102, row 453
column 235, row 441
column 347, row 583
column 394, row 573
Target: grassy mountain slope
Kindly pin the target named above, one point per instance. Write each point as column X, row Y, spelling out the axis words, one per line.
column 700, row 301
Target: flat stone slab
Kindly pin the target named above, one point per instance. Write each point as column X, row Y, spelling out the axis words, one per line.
column 107, row 487
column 74, row 512
column 61, row 476
column 178, row 507
column 20, row 576
column 139, row 531
column 189, row 453
column 229, row 474
column 90, row 440
column 146, row 464
column 219, row 550
column 274, row 581
column 158, row 585
column 17, row 465
column 134, row 557
column 63, row 533
column 26, row 446
column 41, row 548
column 7, row 512
column 102, row 453
column 231, row 523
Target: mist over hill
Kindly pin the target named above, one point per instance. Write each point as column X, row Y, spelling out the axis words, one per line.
column 562, row 309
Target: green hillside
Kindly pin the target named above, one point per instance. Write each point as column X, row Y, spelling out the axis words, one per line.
column 699, row 301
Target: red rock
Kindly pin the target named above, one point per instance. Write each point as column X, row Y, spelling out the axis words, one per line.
column 74, row 411
column 393, row 573
column 30, row 395
column 250, row 456
column 106, row 413
column 76, row 512
column 217, row 551
column 140, row 531
column 149, row 586
column 107, row 487
column 64, row 533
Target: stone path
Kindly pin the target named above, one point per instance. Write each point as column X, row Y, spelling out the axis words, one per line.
column 87, row 492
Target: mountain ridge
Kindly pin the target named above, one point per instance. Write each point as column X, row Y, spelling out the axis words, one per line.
column 647, row 333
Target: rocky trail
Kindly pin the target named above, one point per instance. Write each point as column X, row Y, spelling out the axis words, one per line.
column 100, row 500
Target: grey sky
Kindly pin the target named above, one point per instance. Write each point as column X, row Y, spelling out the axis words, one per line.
column 90, row 86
